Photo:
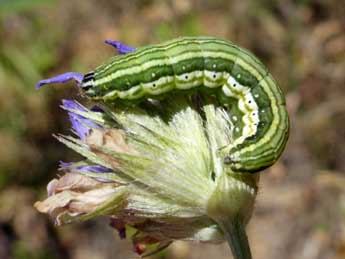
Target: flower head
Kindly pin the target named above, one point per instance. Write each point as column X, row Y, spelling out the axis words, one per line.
column 156, row 172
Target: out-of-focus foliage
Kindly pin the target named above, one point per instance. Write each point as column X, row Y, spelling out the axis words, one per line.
column 301, row 209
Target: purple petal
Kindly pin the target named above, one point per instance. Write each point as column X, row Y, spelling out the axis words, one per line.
column 73, row 105
column 80, row 124
column 64, row 165
column 69, row 167
column 94, row 168
column 121, row 48
column 63, row 78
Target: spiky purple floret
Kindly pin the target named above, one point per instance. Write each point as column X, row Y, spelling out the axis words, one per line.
column 69, row 166
column 64, row 165
column 63, row 78
column 121, row 48
column 94, row 169
column 80, row 125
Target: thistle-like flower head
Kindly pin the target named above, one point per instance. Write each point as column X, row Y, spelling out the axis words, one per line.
column 155, row 170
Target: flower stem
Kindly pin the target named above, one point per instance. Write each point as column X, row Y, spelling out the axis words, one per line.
column 236, row 236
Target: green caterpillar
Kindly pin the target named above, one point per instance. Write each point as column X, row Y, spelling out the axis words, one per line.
column 237, row 77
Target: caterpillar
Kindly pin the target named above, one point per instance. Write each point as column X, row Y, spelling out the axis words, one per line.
column 239, row 80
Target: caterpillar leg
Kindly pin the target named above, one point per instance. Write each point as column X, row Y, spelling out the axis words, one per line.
column 121, row 48
column 224, row 152
column 63, row 78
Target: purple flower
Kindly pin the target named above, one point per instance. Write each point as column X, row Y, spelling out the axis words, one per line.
column 70, row 166
column 94, row 168
column 65, row 165
column 121, row 48
column 81, row 125
column 63, row 78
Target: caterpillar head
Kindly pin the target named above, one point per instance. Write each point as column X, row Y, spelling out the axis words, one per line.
column 87, row 84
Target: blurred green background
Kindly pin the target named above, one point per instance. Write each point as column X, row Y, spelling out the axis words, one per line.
column 300, row 211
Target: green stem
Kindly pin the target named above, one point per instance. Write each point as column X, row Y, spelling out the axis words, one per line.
column 236, row 236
